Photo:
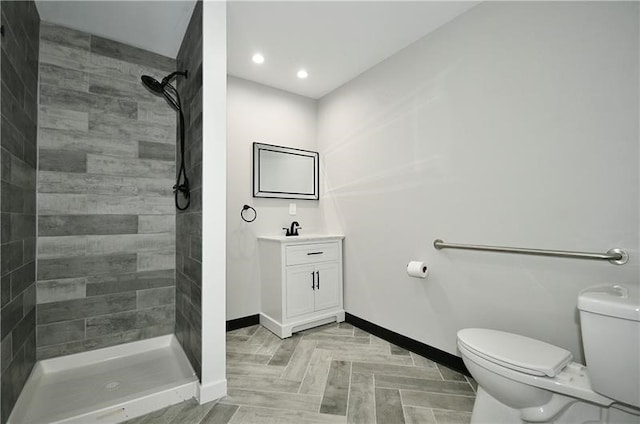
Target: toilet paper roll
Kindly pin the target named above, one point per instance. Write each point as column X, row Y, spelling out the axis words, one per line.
column 417, row 269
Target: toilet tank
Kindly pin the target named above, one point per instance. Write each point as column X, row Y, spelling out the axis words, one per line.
column 610, row 324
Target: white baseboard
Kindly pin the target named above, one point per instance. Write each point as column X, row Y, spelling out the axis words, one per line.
column 211, row 391
column 286, row 330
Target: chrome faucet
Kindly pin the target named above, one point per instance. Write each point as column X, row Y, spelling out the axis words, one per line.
column 293, row 231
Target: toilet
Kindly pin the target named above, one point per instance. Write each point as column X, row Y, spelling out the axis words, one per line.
column 523, row 380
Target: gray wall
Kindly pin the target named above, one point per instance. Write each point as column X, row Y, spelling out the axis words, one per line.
column 106, row 220
column 19, row 111
column 189, row 222
column 506, row 127
column 256, row 112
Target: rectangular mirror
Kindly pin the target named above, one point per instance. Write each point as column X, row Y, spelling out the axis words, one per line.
column 284, row 172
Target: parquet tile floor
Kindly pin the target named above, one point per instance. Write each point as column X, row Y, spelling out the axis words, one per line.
column 336, row 373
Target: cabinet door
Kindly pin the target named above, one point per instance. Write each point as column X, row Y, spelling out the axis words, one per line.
column 300, row 280
column 328, row 290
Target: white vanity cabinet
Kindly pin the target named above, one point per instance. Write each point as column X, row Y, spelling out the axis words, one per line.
column 301, row 282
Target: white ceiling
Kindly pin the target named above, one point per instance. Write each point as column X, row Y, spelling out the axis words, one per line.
column 157, row 26
column 333, row 40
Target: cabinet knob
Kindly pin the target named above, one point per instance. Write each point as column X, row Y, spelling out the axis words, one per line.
column 313, row 280
column 318, row 283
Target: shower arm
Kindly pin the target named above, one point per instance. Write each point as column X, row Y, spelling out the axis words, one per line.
column 172, row 75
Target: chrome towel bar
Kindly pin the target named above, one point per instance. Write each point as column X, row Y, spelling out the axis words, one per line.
column 615, row 256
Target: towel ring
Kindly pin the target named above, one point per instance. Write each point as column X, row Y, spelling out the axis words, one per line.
column 247, row 207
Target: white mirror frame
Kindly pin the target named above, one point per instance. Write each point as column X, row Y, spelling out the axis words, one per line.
column 286, row 185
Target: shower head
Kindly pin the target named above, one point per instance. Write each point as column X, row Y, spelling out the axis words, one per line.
column 152, row 84
column 159, row 87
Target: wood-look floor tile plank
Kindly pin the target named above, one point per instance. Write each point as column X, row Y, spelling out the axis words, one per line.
column 395, row 370
column 337, row 346
column 357, row 332
column 299, row 362
column 220, row 414
column 193, row 414
column 336, row 391
column 473, row 383
column 377, row 341
column 317, row 373
column 424, row 385
column 333, row 331
column 388, row 406
column 358, row 354
column 238, row 357
column 332, row 328
column 270, row 345
column 245, row 331
column 257, row 415
column 238, row 368
column 361, row 408
column 415, row 415
column 259, row 336
column 237, row 338
column 165, row 415
column 451, row 375
column 285, row 351
column 332, row 342
column 266, row 383
column 437, row 400
column 451, row 417
column 346, row 325
column 242, row 346
column 295, row 402
column 397, row 350
column 421, row 361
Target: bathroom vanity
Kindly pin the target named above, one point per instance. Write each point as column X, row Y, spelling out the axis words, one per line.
column 301, row 282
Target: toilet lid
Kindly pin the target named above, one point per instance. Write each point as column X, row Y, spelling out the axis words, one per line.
column 515, row 352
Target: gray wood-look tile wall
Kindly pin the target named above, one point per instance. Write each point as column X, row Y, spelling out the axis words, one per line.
column 189, row 222
column 18, row 94
column 106, row 219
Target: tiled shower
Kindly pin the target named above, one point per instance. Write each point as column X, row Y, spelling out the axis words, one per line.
column 106, row 220
column 88, row 165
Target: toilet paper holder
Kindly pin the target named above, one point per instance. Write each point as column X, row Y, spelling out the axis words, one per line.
column 417, row 269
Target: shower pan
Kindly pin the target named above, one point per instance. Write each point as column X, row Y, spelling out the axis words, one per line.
column 107, row 385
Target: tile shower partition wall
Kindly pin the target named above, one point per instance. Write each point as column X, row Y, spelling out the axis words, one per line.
column 18, row 98
column 106, row 218
column 189, row 222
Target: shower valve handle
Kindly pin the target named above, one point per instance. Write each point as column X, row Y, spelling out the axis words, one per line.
column 182, row 188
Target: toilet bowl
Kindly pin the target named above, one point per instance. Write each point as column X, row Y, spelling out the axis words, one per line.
column 526, row 380
column 524, row 389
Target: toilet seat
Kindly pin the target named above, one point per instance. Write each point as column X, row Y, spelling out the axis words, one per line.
column 572, row 381
column 515, row 352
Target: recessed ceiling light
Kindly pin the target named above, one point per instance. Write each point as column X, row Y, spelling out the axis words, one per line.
column 257, row 58
column 302, row 74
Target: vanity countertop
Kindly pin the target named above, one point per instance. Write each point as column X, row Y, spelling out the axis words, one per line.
column 302, row 238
